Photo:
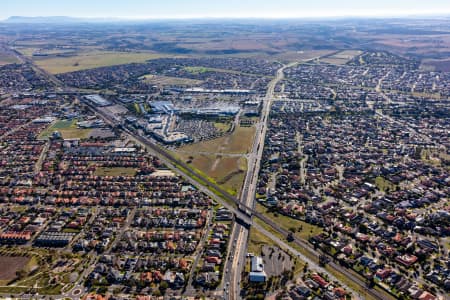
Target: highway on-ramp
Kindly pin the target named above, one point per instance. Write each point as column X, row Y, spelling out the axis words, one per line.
column 243, row 208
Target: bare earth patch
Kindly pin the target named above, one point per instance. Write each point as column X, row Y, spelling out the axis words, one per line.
column 10, row 265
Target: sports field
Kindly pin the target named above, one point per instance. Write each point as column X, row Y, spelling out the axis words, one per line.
column 68, row 130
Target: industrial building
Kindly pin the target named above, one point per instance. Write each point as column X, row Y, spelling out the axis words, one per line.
column 162, row 107
column 219, row 111
column 97, row 100
column 54, row 239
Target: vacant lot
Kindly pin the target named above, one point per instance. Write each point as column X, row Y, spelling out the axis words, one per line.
column 201, row 70
column 10, row 265
column 257, row 240
column 6, row 59
column 299, row 56
column 114, row 171
column 90, row 60
column 228, row 172
column 240, row 141
column 29, row 51
column 342, row 57
column 302, row 230
column 68, row 130
column 217, row 158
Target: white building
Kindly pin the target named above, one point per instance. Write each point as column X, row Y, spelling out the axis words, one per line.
column 257, row 273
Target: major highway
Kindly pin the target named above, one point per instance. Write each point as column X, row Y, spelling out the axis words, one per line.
column 247, row 197
column 243, row 208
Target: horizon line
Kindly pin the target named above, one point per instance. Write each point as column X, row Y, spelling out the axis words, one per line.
column 374, row 15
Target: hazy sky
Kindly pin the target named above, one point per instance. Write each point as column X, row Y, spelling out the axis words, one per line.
column 220, row 8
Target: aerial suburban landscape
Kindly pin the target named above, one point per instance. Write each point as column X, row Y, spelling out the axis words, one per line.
column 191, row 158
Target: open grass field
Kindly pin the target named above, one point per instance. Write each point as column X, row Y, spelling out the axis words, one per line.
column 228, row 172
column 201, row 70
column 223, row 45
column 10, row 265
column 257, row 240
column 29, row 51
column 114, row 171
column 341, row 58
column 197, row 70
column 6, row 59
column 210, row 158
column 423, row 45
column 68, row 130
column 384, row 184
column 240, row 142
column 435, row 65
column 222, row 126
column 92, row 59
column 165, row 80
column 235, row 169
column 307, row 230
column 291, row 56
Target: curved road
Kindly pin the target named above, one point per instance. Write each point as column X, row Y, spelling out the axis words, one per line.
column 245, row 212
column 245, row 203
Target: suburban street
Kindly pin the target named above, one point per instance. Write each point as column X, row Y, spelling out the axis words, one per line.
column 239, row 235
column 243, row 208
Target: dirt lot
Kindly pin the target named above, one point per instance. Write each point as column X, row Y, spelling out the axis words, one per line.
column 10, row 265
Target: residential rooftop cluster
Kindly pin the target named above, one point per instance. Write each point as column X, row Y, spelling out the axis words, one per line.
column 314, row 286
column 22, row 78
column 363, row 81
column 373, row 173
column 212, row 73
column 103, row 195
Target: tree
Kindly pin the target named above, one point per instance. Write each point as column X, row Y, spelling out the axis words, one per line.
column 102, row 290
column 163, row 286
column 290, row 237
column 20, row 274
